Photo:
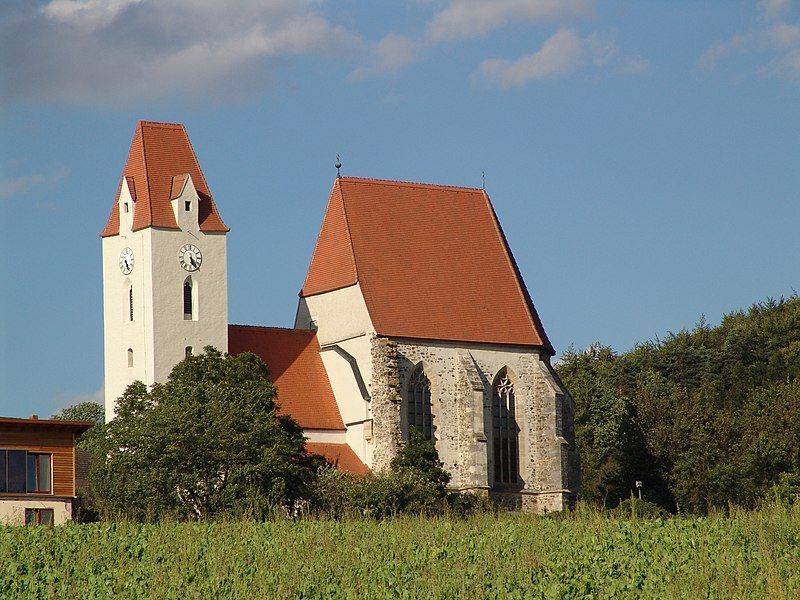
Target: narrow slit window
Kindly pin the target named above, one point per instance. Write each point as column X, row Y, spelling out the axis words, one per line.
column 125, row 207
column 130, row 357
column 188, row 305
column 188, row 351
column 130, row 303
column 187, row 205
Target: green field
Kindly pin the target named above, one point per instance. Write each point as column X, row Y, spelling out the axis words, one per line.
column 584, row 555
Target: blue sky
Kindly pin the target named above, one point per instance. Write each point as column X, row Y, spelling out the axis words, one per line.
column 642, row 157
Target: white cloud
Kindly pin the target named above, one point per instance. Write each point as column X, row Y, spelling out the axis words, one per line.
column 775, row 50
column 123, row 51
column 564, row 52
column 16, row 186
column 773, row 8
column 473, row 18
column 63, row 401
column 393, row 53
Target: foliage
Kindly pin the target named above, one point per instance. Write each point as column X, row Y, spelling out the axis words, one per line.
column 420, row 455
column 416, row 484
column 205, row 442
column 706, row 418
column 83, row 411
column 633, row 508
column 86, row 411
column 581, row 555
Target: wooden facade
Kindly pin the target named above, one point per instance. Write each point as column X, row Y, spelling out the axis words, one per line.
column 56, row 438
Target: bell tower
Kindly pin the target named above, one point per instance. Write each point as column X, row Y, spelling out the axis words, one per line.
column 165, row 281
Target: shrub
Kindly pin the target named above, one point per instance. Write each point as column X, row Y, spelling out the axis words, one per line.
column 633, row 508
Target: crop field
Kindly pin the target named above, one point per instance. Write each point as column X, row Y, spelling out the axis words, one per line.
column 583, row 555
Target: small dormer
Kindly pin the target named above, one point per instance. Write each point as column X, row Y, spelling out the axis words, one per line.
column 185, row 202
column 127, row 204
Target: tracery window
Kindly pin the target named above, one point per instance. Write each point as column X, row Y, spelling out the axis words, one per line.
column 419, row 403
column 505, row 433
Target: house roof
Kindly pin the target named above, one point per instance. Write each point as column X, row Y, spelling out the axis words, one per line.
column 432, row 262
column 296, row 369
column 36, row 424
column 340, row 456
column 160, row 152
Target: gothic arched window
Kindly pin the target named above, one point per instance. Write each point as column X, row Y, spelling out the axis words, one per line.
column 505, row 433
column 188, row 305
column 419, row 403
column 130, row 357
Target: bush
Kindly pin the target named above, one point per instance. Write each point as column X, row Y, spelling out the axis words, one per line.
column 787, row 490
column 633, row 508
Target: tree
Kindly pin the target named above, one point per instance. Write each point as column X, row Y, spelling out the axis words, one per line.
column 420, row 455
column 82, row 411
column 205, row 442
column 86, row 411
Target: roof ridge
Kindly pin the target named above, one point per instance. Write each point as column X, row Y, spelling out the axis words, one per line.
column 416, row 184
column 164, row 124
column 273, row 327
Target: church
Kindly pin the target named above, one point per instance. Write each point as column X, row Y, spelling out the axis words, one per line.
column 413, row 314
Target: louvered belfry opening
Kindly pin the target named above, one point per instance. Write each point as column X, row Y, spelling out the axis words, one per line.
column 419, row 403
column 505, row 433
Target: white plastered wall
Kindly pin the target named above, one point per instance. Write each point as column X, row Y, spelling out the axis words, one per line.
column 343, row 328
column 12, row 512
column 159, row 334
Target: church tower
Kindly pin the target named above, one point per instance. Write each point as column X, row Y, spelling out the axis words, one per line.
column 165, row 290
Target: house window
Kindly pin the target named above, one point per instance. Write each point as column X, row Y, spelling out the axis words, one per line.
column 12, row 471
column 187, row 351
column 39, row 473
column 188, row 305
column 187, row 205
column 130, row 357
column 419, row 403
column 25, row 472
column 38, row 516
column 505, row 433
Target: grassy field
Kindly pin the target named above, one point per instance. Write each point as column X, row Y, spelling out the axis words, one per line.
column 585, row 555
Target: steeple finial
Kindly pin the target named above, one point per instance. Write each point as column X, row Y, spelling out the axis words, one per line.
column 483, row 180
column 338, row 166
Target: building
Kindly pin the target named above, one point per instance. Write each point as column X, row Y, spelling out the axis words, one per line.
column 37, row 470
column 413, row 314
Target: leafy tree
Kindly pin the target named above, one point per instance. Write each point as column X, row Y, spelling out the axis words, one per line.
column 205, row 442
column 83, row 411
column 707, row 418
column 420, row 455
column 90, row 440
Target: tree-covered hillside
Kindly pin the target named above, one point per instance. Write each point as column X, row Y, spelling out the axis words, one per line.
column 706, row 418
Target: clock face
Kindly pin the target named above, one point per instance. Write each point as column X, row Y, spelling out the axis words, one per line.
column 190, row 257
column 126, row 261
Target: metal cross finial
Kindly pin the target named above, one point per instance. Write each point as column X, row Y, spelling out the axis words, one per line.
column 338, row 166
column 483, row 179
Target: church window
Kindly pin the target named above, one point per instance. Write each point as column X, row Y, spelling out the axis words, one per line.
column 187, row 205
column 130, row 357
column 505, row 433
column 188, row 304
column 419, row 403
column 187, row 351
column 130, row 303
column 125, row 207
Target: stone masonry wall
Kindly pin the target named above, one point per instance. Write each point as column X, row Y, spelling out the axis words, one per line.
column 462, row 379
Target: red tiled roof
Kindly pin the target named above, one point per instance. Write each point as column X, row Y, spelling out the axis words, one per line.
column 296, row 369
column 159, row 152
column 340, row 456
column 432, row 262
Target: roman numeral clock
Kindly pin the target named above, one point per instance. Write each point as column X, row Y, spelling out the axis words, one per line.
column 190, row 257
